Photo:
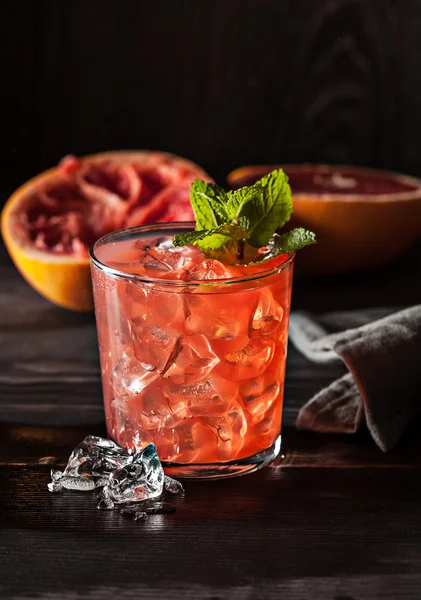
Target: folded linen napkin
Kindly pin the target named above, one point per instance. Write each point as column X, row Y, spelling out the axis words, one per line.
column 382, row 350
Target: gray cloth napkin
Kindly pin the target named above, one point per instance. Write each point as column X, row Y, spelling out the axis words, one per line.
column 382, row 350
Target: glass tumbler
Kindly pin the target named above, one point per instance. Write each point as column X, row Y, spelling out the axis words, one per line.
column 195, row 365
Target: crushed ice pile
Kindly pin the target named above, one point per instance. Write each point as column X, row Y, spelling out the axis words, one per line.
column 121, row 476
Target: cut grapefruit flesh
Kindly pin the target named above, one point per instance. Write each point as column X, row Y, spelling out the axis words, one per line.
column 363, row 218
column 49, row 223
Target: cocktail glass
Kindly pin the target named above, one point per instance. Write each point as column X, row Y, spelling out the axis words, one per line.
column 192, row 352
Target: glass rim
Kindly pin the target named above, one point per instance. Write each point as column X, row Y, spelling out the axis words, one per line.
column 171, row 283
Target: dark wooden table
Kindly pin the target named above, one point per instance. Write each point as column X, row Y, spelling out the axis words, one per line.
column 334, row 518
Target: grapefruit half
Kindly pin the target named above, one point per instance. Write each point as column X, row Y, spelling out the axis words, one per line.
column 50, row 222
column 363, row 218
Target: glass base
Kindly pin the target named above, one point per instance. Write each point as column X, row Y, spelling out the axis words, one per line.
column 233, row 468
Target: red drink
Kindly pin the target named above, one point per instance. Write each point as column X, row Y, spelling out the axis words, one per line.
column 192, row 351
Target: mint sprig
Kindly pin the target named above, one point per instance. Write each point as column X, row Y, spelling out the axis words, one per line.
column 249, row 215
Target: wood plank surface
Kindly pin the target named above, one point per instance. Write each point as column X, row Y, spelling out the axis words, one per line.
column 306, row 533
column 332, row 518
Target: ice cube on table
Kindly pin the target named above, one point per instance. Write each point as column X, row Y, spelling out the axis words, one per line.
column 193, row 361
column 56, row 474
column 143, row 478
column 101, row 481
column 123, row 477
column 104, row 501
column 96, row 456
column 155, row 347
column 172, row 485
column 54, row 486
column 78, row 484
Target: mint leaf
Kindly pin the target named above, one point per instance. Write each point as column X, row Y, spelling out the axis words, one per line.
column 264, row 207
column 216, row 238
column 213, row 238
column 289, row 242
column 192, row 237
column 236, row 199
column 208, row 201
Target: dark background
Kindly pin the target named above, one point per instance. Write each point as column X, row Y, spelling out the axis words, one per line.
column 223, row 82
